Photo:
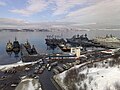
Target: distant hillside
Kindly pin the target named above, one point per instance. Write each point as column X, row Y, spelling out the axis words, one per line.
column 59, row 25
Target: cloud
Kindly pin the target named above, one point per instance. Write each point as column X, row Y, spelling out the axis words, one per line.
column 60, row 6
column 107, row 11
column 33, row 6
column 11, row 21
column 2, row 3
column 80, row 11
column 63, row 6
column 66, row 6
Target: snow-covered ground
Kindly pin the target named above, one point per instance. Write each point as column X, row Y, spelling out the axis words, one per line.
column 60, row 77
column 29, row 84
column 101, row 79
column 20, row 63
column 101, row 76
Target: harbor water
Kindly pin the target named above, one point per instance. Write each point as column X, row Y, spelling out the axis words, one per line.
column 38, row 39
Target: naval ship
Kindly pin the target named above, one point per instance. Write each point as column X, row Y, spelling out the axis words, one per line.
column 108, row 41
column 80, row 40
column 9, row 46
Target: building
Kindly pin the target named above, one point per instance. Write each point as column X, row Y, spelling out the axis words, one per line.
column 76, row 51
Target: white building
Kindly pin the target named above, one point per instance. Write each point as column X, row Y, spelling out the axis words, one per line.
column 76, row 50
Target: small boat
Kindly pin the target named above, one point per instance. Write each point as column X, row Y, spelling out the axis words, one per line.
column 16, row 46
column 9, row 47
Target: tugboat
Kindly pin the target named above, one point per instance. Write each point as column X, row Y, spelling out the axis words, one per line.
column 16, row 46
column 9, row 46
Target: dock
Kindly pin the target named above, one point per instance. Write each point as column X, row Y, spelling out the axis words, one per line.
column 32, row 58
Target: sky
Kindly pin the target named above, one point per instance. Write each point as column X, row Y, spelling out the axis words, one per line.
column 83, row 12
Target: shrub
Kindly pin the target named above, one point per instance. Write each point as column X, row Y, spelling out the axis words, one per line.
column 90, row 79
column 85, row 86
column 72, row 77
column 107, row 88
column 117, row 85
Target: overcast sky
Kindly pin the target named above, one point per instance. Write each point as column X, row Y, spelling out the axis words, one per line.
column 81, row 11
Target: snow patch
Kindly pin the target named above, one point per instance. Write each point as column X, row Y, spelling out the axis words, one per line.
column 101, row 76
column 20, row 63
column 29, row 84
